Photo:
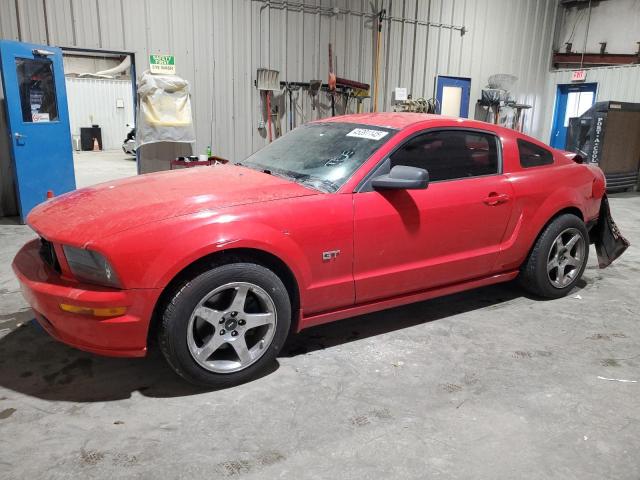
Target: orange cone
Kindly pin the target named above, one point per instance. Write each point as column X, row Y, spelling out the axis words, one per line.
column 96, row 147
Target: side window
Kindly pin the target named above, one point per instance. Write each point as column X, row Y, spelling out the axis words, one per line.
column 532, row 155
column 450, row 154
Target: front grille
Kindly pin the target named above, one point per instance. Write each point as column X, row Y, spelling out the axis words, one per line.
column 48, row 254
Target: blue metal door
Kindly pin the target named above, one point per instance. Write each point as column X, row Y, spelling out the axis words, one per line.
column 38, row 121
column 572, row 100
column 452, row 94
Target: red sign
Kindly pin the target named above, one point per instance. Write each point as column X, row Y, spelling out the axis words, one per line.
column 578, row 75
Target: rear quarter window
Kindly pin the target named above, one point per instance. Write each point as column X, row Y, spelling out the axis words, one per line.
column 532, row 155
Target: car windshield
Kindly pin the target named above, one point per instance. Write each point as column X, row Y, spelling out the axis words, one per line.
column 320, row 155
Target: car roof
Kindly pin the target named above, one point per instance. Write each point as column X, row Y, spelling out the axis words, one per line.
column 401, row 120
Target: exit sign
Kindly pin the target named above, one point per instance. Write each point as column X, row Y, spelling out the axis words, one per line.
column 578, row 75
column 162, row 64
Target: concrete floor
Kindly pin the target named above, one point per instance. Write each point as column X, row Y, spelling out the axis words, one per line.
column 98, row 167
column 485, row 384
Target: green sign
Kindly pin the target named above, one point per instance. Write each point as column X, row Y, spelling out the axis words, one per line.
column 163, row 64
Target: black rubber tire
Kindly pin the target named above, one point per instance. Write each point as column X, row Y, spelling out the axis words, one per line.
column 533, row 273
column 172, row 332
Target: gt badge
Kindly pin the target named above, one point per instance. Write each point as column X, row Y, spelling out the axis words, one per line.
column 330, row 255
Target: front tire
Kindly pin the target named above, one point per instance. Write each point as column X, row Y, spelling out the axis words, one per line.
column 226, row 325
column 558, row 258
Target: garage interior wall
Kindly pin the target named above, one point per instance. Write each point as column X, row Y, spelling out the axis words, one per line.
column 615, row 22
column 219, row 45
column 97, row 101
column 620, row 83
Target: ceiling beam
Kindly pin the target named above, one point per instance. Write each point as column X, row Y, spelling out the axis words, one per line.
column 593, row 59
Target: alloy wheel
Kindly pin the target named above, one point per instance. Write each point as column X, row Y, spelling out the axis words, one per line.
column 231, row 327
column 565, row 258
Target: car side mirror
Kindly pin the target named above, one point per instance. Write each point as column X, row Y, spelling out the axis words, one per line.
column 402, row 177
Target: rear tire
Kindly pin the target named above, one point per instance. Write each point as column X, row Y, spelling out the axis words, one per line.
column 558, row 258
column 225, row 326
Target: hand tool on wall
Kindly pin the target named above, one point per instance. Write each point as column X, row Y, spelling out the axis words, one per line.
column 314, row 88
column 268, row 81
column 346, row 86
column 332, row 83
column 278, row 126
column 376, row 80
column 291, row 88
column 268, row 95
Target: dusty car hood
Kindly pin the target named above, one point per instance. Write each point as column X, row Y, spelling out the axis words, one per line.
column 112, row 207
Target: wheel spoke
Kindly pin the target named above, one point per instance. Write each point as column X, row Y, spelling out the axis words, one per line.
column 258, row 319
column 560, row 276
column 239, row 299
column 573, row 261
column 211, row 346
column 208, row 314
column 572, row 241
column 559, row 243
column 240, row 346
column 553, row 263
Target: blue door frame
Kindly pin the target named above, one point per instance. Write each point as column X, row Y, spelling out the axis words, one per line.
column 461, row 82
column 38, row 122
column 558, row 129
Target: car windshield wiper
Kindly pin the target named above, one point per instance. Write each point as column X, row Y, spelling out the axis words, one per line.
column 286, row 174
column 317, row 183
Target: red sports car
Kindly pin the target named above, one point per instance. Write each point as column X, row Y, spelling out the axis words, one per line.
column 338, row 218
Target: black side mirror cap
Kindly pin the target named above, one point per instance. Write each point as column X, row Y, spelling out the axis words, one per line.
column 402, row 177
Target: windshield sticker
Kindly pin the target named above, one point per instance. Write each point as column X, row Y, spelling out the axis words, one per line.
column 367, row 133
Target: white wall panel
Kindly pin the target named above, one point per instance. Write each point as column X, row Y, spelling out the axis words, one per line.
column 620, row 84
column 135, row 23
column 86, row 23
column 9, row 21
column 111, row 24
column 59, row 22
column 219, row 44
column 31, row 20
column 93, row 101
column 615, row 22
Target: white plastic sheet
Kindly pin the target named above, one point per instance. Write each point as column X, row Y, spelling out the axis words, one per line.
column 164, row 113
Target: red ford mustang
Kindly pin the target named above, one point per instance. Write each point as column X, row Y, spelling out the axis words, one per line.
column 338, row 218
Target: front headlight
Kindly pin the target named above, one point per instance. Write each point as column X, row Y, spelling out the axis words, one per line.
column 89, row 266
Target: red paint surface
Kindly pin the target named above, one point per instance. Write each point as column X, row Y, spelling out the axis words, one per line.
column 396, row 247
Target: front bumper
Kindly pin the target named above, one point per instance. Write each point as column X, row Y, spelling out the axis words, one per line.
column 44, row 289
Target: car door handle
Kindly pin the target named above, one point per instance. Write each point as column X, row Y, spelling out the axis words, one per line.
column 494, row 199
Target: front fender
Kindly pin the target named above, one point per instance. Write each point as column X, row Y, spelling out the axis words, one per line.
column 151, row 255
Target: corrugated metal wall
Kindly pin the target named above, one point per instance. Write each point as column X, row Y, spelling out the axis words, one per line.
column 94, row 101
column 620, row 84
column 219, row 44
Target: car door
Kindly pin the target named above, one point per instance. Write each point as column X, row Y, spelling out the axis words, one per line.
column 411, row 240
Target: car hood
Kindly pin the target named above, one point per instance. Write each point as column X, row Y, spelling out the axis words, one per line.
column 101, row 210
